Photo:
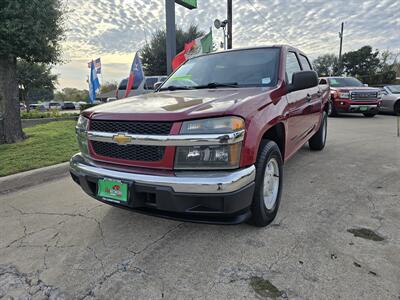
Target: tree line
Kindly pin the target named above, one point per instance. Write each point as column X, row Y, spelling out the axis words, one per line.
column 372, row 67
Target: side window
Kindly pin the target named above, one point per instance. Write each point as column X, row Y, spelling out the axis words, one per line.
column 292, row 66
column 323, row 81
column 149, row 84
column 305, row 63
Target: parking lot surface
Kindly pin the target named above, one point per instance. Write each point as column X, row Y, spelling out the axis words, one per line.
column 336, row 236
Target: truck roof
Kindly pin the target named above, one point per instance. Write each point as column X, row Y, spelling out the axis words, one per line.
column 282, row 46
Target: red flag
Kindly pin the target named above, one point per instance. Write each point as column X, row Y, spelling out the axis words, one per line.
column 182, row 56
column 196, row 47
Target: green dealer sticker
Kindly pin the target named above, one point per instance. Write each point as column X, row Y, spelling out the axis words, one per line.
column 110, row 189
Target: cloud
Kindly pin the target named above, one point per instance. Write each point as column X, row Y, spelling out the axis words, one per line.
column 116, row 29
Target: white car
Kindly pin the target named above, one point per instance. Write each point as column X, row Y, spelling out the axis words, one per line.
column 78, row 104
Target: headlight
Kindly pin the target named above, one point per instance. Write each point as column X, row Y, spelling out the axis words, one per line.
column 224, row 156
column 82, row 127
column 211, row 126
column 345, row 95
column 82, row 124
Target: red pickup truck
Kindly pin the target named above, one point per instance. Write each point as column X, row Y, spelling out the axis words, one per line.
column 349, row 95
column 210, row 143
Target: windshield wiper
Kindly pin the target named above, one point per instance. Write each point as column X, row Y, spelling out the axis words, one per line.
column 213, row 85
column 175, row 87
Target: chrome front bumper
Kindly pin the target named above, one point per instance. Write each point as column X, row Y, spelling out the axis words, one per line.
column 200, row 182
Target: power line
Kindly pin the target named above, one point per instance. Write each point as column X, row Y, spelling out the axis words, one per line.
column 265, row 19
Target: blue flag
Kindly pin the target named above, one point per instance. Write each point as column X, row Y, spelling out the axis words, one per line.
column 136, row 74
column 94, row 83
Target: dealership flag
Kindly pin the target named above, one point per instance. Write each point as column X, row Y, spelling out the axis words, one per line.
column 97, row 65
column 196, row 47
column 94, row 83
column 135, row 75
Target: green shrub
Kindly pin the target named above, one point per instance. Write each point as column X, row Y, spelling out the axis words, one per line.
column 36, row 114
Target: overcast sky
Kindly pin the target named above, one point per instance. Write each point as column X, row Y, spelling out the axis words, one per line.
column 115, row 29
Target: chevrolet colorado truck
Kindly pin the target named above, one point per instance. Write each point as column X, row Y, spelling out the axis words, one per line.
column 349, row 95
column 209, row 145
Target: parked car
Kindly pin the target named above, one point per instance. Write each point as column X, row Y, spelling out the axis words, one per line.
column 39, row 107
column 54, row 105
column 22, row 106
column 68, row 105
column 210, row 144
column 146, row 86
column 349, row 95
column 391, row 99
column 78, row 104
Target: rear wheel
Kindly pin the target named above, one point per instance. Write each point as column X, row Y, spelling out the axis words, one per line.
column 267, row 194
column 318, row 140
column 369, row 115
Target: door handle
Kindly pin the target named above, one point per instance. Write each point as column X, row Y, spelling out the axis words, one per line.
column 308, row 98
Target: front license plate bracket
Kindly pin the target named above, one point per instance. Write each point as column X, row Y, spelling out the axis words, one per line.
column 113, row 190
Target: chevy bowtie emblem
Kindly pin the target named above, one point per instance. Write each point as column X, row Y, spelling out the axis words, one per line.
column 121, row 138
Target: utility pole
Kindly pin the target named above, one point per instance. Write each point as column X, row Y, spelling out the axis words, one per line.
column 171, row 33
column 229, row 24
column 340, row 49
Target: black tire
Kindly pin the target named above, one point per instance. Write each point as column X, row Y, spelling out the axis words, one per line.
column 318, row 140
column 369, row 115
column 261, row 215
column 397, row 108
column 332, row 112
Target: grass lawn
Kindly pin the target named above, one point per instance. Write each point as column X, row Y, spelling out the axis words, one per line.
column 46, row 145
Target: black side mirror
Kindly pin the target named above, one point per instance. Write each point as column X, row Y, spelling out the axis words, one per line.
column 157, row 85
column 303, row 80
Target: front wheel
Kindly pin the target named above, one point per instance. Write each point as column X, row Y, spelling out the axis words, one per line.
column 331, row 109
column 318, row 140
column 369, row 115
column 397, row 108
column 267, row 193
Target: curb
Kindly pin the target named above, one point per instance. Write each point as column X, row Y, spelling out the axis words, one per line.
column 30, row 178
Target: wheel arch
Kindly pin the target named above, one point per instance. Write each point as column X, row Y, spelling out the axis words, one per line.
column 276, row 133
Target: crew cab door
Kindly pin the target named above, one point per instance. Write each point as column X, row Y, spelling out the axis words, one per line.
column 316, row 102
column 303, row 115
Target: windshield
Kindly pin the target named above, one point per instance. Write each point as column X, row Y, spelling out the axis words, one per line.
column 344, row 81
column 395, row 89
column 242, row 68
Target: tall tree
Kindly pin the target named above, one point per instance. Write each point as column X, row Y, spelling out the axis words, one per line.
column 108, row 86
column 362, row 63
column 29, row 30
column 154, row 55
column 36, row 81
column 327, row 65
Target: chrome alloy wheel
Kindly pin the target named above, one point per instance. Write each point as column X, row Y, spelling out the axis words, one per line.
column 271, row 183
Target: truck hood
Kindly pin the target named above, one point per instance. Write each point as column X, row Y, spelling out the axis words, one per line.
column 180, row 105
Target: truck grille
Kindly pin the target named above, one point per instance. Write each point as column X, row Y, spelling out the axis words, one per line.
column 155, row 128
column 364, row 96
column 129, row 152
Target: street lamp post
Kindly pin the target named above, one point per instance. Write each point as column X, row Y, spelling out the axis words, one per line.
column 218, row 24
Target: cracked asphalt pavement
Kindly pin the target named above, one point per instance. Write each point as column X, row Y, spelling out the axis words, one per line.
column 337, row 235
